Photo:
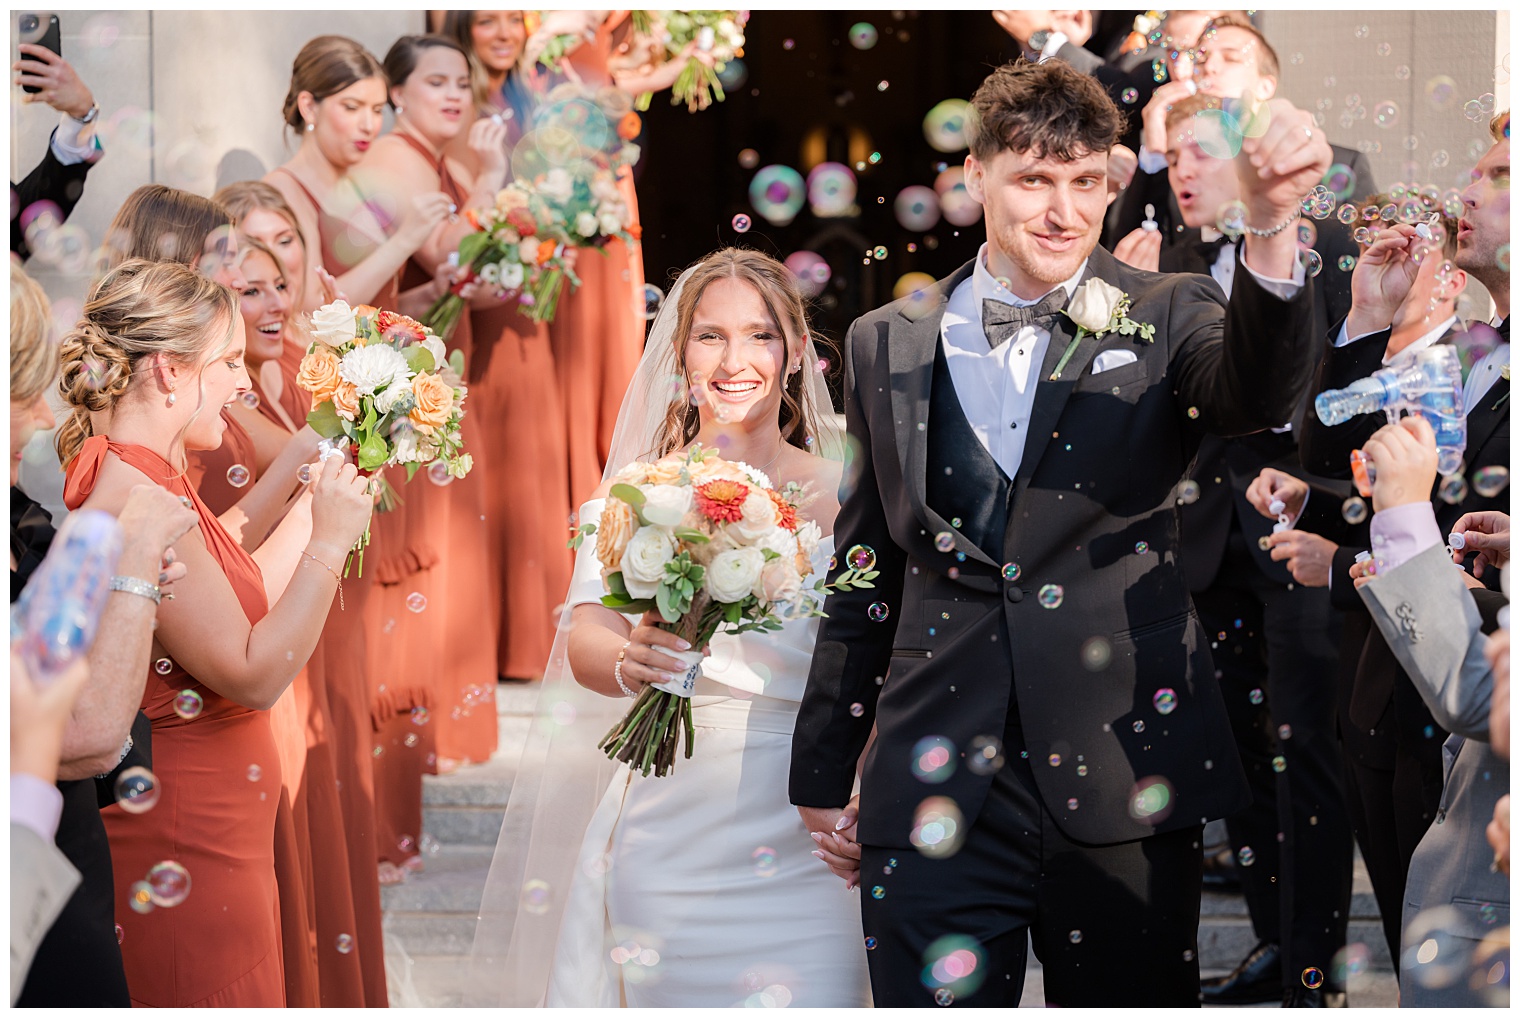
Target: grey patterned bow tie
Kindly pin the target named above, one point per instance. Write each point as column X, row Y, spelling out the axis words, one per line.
column 1000, row 320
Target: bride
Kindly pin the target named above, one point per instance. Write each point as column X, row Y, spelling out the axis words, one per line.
column 702, row 888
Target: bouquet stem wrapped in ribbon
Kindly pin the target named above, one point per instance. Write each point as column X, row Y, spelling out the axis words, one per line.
column 384, row 385
column 711, row 546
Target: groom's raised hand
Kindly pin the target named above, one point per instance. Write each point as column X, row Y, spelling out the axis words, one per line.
column 1282, row 157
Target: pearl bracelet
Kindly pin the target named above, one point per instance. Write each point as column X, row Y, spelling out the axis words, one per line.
column 617, row 671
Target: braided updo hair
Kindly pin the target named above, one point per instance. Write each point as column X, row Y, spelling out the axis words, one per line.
column 138, row 310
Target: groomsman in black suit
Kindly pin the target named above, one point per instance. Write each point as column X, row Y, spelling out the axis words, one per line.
column 1394, row 762
column 72, row 149
column 1275, row 640
column 1230, row 59
column 1049, row 735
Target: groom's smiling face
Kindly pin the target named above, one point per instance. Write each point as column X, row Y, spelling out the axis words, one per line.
column 1043, row 213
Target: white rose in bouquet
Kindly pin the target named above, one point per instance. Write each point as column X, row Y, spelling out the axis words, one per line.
column 369, row 368
column 334, row 324
column 585, row 224
column 666, row 505
column 511, row 275
column 808, row 537
column 733, row 574
column 527, row 253
column 759, row 516
column 778, row 541
column 779, row 580
column 611, row 222
column 397, row 393
column 557, row 186
column 644, row 559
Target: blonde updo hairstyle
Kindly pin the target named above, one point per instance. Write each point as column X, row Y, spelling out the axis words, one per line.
column 159, row 223
column 800, row 414
column 326, row 66
column 34, row 357
column 140, row 310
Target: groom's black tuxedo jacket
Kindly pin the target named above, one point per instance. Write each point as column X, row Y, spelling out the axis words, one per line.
column 964, row 651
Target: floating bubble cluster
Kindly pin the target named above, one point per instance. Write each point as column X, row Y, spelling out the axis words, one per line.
column 938, row 829
column 933, row 759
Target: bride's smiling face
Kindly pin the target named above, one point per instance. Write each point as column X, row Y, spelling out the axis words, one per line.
column 736, row 356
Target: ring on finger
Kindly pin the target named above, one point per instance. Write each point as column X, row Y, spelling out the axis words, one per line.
column 1309, row 133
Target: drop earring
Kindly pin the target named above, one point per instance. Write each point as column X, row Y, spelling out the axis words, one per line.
column 171, row 399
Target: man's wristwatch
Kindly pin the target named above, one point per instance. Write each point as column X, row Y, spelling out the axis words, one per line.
column 90, row 115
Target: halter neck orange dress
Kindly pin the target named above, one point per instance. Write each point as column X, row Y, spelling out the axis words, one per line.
column 303, row 730
column 342, row 665
column 219, row 779
column 209, row 468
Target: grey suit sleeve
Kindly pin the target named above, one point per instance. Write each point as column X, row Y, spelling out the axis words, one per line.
column 1427, row 616
column 1083, row 59
column 42, row 879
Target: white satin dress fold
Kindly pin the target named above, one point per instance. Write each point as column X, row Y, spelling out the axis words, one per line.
column 699, row 889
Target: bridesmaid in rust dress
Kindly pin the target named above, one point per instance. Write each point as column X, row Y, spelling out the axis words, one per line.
column 157, row 351
column 515, row 392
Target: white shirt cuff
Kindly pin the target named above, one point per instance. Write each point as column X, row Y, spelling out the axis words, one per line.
column 74, row 142
column 1053, row 44
column 1282, row 289
column 1151, row 162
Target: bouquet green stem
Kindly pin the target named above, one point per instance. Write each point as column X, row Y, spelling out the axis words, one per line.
column 443, row 314
column 696, row 85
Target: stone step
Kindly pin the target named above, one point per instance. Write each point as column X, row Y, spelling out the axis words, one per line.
column 483, row 784
column 453, row 880
column 430, row 933
column 463, row 825
column 426, row 980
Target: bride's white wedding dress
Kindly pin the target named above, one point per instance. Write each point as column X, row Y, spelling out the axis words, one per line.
column 699, row 888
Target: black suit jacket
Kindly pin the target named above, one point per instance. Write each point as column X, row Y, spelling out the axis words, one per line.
column 1155, row 189
column 1226, row 467
column 1099, row 475
column 50, row 181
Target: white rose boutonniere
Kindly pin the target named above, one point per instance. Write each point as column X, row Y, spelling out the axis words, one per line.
column 1098, row 308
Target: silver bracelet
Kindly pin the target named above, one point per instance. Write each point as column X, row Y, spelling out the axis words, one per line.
column 132, row 585
column 1280, row 227
column 617, row 671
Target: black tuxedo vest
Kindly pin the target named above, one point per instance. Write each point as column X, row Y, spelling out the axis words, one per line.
column 965, row 485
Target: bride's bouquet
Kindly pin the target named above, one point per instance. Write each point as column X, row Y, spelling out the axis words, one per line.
column 710, row 544
column 720, row 34
column 384, row 384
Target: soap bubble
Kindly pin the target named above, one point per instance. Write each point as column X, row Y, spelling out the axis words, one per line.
column 416, row 603
column 831, row 189
column 1386, row 114
column 303, row 473
column 1453, row 489
column 1489, row 481
column 238, row 475
column 811, row 270
column 1075, row 936
column 777, row 192
column 1011, row 571
column 419, row 715
column 140, row 897
column 438, row 473
column 653, row 298
column 878, row 612
column 1257, row 696
column 1346, row 214
column 857, row 710
column 749, row 158
column 1129, row 95
column 168, row 883
column 862, row 35
column 944, row 541
column 1279, row 764
column 1165, row 701
column 954, row 964
column 917, row 208
column 250, row 399
column 1313, row 978
column 741, row 223
column 1051, row 595
column 861, row 557
column 1346, row 263
column 764, row 859
column 1231, row 218
column 163, row 666
column 984, row 755
column 188, row 704
column 938, row 829
column 535, row 897
column 933, row 759
column 1188, row 492
column 137, row 790
column 1246, row 856
column 1096, row 653
column 1150, row 801
column 1311, row 261
column 944, row 997
column 945, row 125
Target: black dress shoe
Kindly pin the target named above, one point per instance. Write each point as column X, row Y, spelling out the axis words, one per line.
column 1257, row 980
column 1220, row 873
column 1323, row 996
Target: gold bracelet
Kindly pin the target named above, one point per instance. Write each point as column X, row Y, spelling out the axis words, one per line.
column 335, row 575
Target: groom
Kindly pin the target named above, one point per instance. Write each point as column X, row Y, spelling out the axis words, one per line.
column 1050, row 737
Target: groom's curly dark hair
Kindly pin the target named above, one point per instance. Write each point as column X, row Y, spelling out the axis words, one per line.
column 1048, row 109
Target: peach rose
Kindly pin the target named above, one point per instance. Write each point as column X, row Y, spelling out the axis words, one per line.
column 435, row 401
column 319, row 373
column 665, row 471
column 612, row 533
column 345, row 400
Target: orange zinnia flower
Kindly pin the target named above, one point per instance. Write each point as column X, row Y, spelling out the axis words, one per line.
column 545, row 251
column 628, row 127
column 786, row 513
column 473, row 219
column 722, row 501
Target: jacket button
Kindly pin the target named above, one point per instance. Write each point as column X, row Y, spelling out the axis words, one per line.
column 1015, row 595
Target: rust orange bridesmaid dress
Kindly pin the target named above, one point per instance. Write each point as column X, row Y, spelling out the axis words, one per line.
column 212, row 832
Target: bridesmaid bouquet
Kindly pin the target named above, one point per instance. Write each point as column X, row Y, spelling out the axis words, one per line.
column 710, row 545
column 384, row 384
column 717, row 33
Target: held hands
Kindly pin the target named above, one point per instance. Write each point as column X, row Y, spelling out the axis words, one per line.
column 1405, row 457
column 1309, row 556
column 341, row 505
column 834, row 831
column 1487, row 534
column 1282, row 164
column 1383, row 277
column 1276, row 486
column 1141, row 249
column 61, row 86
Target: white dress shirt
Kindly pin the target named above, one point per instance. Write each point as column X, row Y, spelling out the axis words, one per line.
column 75, row 141
column 1223, row 269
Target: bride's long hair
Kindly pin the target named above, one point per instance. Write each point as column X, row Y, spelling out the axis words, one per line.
column 800, row 413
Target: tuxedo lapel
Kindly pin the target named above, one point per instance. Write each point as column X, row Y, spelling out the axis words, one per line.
column 910, row 359
column 1485, row 417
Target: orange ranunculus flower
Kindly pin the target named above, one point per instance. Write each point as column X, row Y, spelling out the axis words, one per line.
column 635, row 231
column 472, row 219
column 318, row 373
column 345, row 400
column 435, row 401
column 628, row 127
column 545, row 251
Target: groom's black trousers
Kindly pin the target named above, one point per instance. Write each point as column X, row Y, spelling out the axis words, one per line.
column 1113, row 925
